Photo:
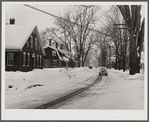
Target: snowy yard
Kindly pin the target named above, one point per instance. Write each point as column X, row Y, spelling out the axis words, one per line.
column 31, row 89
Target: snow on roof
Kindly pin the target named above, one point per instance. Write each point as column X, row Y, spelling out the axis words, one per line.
column 46, row 44
column 65, row 52
column 59, row 55
column 39, row 40
column 52, row 48
column 65, row 59
column 17, row 35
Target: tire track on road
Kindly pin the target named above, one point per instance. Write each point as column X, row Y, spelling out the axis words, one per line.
column 59, row 100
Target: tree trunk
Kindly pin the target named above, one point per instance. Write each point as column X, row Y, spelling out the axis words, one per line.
column 116, row 63
column 138, row 65
column 133, row 55
column 119, row 63
column 78, row 61
column 124, row 64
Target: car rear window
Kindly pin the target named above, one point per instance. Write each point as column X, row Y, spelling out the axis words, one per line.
column 103, row 69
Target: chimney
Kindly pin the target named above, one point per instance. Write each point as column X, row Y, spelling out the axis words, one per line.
column 56, row 45
column 61, row 46
column 50, row 42
column 12, row 21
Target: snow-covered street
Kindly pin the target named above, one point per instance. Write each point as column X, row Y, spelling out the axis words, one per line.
column 116, row 91
column 113, row 92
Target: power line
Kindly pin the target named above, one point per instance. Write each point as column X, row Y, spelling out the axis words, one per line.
column 62, row 18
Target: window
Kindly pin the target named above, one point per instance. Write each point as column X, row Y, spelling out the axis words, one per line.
column 36, row 43
column 37, row 60
column 40, row 59
column 10, row 59
column 54, row 63
column 24, row 59
column 33, row 60
column 53, row 53
column 27, row 44
column 31, row 42
column 28, row 59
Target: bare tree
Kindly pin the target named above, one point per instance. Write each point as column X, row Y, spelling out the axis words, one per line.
column 74, row 28
column 119, row 36
column 58, row 35
column 103, row 44
column 132, row 17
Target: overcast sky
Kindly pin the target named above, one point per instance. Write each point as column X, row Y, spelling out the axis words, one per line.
column 24, row 15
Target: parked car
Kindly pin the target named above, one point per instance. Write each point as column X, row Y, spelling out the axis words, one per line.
column 103, row 71
column 90, row 67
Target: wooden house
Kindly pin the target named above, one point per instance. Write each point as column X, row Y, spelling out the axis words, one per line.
column 23, row 48
column 53, row 58
column 56, row 57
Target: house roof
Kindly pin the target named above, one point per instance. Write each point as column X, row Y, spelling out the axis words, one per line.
column 67, row 54
column 52, row 48
column 65, row 59
column 63, row 51
column 17, row 35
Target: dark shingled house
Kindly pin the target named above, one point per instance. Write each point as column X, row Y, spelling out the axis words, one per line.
column 56, row 57
column 23, row 48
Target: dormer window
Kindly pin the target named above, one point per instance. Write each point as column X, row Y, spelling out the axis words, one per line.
column 36, row 43
column 31, row 40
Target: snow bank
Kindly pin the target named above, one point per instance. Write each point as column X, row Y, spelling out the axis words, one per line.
column 126, row 75
column 37, row 87
column 31, row 86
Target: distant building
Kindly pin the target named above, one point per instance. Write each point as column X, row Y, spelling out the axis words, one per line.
column 52, row 59
column 55, row 56
column 23, row 48
column 68, row 59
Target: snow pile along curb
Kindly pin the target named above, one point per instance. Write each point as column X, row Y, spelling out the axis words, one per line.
column 32, row 87
column 126, row 75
